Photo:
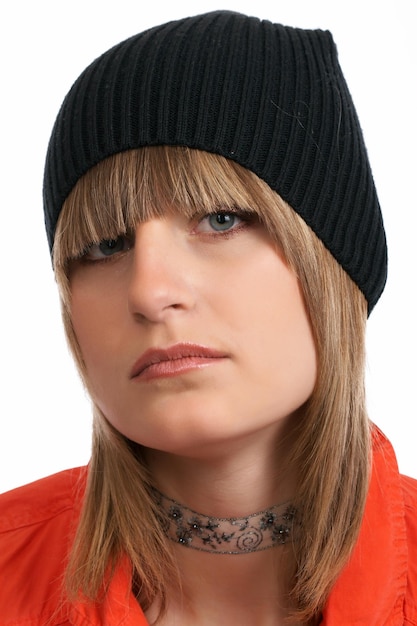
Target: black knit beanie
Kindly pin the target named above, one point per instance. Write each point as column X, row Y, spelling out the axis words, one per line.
column 270, row 97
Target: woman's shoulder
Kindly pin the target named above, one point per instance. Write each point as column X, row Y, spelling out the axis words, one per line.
column 409, row 491
column 37, row 524
column 409, row 488
column 41, row 500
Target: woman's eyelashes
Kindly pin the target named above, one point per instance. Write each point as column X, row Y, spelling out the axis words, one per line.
column 107, row 248
column 224, row 221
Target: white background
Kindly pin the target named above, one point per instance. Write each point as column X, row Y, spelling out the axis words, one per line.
column 45, row 417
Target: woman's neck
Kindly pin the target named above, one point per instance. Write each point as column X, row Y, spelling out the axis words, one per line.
column 250, row 588
column 244, row 478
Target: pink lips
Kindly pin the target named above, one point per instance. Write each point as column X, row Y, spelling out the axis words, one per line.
column 174, row 361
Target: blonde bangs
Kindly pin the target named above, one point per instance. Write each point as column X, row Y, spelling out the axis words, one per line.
column 137, row 185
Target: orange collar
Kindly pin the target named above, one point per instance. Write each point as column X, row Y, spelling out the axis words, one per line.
column 371, row 589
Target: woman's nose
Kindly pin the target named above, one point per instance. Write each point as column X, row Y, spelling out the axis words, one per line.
column 159, row 282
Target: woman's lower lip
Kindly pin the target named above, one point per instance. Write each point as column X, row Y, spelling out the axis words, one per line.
column 176, row 367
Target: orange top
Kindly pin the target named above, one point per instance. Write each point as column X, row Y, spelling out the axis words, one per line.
column 378, row 587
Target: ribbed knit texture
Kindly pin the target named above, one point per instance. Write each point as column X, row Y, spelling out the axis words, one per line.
column 270, row 97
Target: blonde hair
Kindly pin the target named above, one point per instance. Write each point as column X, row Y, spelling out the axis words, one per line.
column 332, row 445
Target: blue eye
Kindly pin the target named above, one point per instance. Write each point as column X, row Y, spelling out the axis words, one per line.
column 225, row 221
column 111, row 246
column 222, row 221
column 107, row 248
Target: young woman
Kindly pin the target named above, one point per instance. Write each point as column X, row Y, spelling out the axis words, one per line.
column 218, row 245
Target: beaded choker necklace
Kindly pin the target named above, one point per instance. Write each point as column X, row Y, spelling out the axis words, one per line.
column 225, row 535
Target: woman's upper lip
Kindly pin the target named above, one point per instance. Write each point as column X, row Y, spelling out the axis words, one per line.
column 171, row 353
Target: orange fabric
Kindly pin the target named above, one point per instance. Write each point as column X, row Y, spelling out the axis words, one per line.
column 378, row 587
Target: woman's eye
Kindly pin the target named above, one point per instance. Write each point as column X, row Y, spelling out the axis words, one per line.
column 107, row 248
column 221, row 221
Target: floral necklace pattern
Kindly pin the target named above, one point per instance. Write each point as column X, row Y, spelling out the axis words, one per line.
column 222, row 535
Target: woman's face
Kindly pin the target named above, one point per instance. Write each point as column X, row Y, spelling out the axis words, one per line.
column 193, row 332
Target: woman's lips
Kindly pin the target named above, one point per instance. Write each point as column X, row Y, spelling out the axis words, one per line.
column 174, row 361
